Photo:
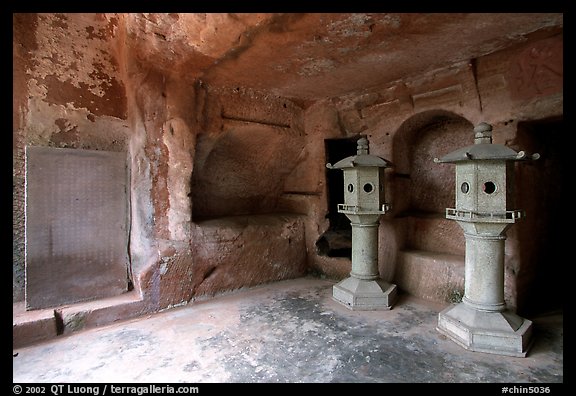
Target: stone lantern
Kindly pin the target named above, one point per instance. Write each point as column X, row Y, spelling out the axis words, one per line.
column 484, row 196
column 363, row 205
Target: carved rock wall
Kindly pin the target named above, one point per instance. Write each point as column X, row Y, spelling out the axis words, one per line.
column 68, row 92
column 220, row 120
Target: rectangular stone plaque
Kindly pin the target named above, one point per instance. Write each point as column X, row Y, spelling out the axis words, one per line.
column 76, row 225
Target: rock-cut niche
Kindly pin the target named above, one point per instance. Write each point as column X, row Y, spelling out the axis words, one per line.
column 423, row 189
column 242, row 171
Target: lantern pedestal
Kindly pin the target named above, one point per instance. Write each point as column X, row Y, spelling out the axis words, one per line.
column 362, row 295
column 364, row 290
column 481, row 322
column 502, row 333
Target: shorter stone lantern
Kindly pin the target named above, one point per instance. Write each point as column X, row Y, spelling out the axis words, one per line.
column 363, row 205
column 484, row 194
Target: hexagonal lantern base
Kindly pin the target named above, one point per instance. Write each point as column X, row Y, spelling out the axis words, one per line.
column 501, row 333
column 364, row 295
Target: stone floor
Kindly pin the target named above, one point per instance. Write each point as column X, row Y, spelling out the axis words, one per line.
column 290, row 331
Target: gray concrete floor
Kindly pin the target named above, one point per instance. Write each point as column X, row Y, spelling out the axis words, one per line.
column 289, row 331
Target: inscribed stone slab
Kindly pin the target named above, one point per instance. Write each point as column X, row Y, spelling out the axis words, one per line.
column 76, row 225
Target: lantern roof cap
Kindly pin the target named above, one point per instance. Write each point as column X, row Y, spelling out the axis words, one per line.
column 484, row 149
column 361, row 159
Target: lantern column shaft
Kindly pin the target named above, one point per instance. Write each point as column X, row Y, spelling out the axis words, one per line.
column 365, row 251
column 484, row 272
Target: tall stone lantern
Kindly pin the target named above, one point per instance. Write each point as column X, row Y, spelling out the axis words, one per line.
column 363, row 205
column 484, row 196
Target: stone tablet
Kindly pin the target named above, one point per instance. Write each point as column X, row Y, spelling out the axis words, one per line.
column 76, row 225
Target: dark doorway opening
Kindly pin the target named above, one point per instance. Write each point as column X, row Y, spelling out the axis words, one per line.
column 337, row 240
column 542, row 191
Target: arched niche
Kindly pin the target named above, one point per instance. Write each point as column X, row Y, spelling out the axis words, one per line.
column 427, row 188
column 242, row 170
column 430, row 261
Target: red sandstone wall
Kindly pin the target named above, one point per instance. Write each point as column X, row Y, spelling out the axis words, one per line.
column 200, row 153
column 68, row 92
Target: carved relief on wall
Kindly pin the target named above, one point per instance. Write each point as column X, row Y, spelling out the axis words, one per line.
column 537, row 70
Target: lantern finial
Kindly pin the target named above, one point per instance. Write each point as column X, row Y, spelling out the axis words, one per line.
column 483, row 133
column 362, row 148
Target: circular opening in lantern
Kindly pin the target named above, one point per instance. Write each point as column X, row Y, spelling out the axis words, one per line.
column 368, row 188
column 489, row 187
column 465, row 187
column 350, row 188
